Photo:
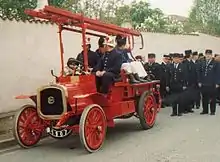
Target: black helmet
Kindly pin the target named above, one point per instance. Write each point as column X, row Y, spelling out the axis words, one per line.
column 120, row 40
column 101, row 41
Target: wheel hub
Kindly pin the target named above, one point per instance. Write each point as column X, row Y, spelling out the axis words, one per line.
column 99, row 128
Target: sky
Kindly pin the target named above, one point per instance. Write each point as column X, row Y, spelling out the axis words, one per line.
column 177, row 7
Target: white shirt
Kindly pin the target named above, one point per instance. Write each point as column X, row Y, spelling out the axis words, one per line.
column 176, row 65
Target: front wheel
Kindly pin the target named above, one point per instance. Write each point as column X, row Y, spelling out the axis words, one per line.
column 92, row 128
column 147, row 110
column 28, row 126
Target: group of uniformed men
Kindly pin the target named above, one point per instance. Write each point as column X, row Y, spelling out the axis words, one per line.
column 189, row 79
column 177, row 73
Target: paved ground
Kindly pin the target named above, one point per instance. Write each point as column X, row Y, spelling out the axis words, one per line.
column 191, row 138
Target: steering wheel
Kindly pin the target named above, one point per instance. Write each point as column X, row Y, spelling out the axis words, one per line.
column 77, row 68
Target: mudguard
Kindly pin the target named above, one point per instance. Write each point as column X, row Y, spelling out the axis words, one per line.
column 32, row 97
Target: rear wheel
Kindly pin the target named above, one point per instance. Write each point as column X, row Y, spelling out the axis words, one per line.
column 92, row 128
column 28, row 126
column 147, row 110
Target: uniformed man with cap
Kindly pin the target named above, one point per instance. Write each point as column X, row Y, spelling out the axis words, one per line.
column 93, row 57
column 164, row 75
column 209, row 81
column 109, row 67
column 217, row 59
column 190, row 76
column 152, row 68
column 195, row 63
column 176, row 83
column 133, row 68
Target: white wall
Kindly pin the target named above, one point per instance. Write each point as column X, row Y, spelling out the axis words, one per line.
column 30, row 50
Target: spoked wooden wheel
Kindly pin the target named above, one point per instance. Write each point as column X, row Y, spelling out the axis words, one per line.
column 28, row 126
column 92, row 128
column 147, row 110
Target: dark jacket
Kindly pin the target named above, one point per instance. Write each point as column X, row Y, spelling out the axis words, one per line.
column 99, row 53
column 209, row 75
column 193, row 73
column 124, row 54
column 110, row 62
column 153, row 69
column 164, row 68
column 177, row 77
column 93, row 58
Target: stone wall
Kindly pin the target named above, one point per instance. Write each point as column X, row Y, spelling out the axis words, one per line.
column 29, row 51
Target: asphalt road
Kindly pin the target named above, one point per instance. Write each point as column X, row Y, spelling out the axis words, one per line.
column 191, row 138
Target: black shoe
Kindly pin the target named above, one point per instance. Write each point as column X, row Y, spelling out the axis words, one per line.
column 144, row 80
column 136, row 76
column 212, row 113
column 191, row 111
column 203, row 113
column 132, row 79
column 180, row 114
column 173, row 114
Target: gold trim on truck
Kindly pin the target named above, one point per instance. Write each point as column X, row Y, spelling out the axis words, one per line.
column 63, row 94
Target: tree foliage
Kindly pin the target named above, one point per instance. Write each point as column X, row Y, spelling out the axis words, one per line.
column 205, row 16
column 139, row 14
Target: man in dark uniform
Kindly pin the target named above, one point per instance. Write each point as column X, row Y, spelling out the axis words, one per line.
column 152, row 68
column 176, row 82
column 163, row 76
column 134, row 70
column 194, row 80
column 217, row 59
column 209, row 81
column 108, row 68
column 191, row 80
column 93, row 57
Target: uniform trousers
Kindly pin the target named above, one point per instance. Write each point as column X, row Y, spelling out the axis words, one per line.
column 134, row 67
column 196, row 98
column 163, row 91
column 104, row 82
column 177, row 106
column 218, row 95
column 209, row 97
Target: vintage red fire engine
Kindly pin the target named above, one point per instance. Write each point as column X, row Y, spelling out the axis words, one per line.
column 72, row 104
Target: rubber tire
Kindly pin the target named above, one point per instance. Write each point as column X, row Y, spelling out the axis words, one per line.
column 15, row 128
column 81, row 128
column 141, row 115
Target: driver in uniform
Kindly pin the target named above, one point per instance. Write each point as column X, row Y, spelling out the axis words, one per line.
column 93, row 57
column 108, row 68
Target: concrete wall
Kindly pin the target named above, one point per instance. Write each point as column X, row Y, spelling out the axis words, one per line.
column 30, row 50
